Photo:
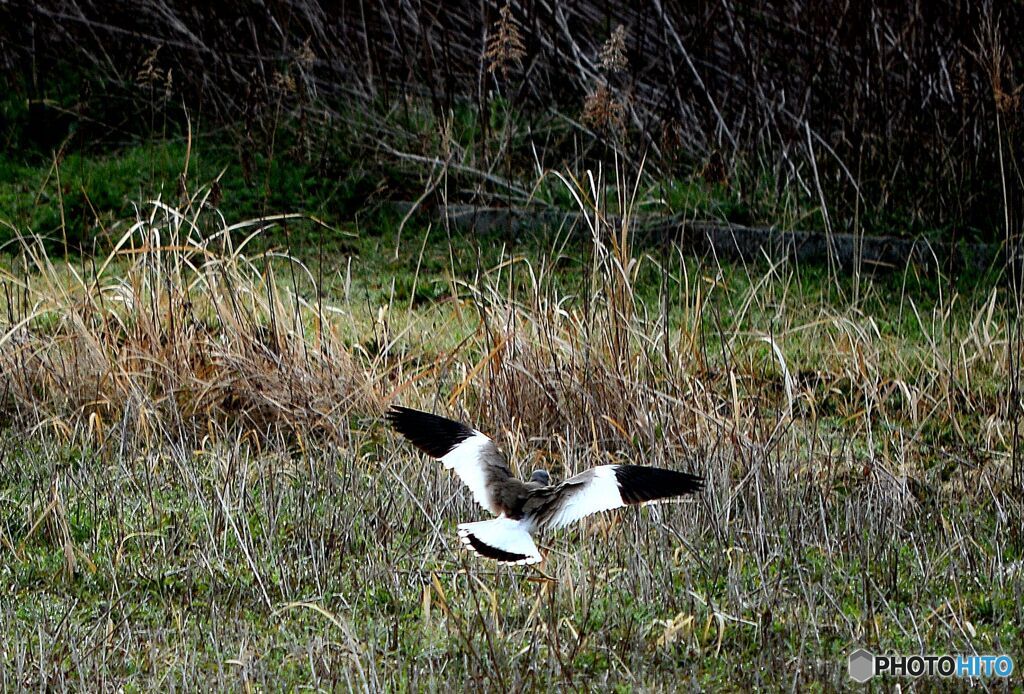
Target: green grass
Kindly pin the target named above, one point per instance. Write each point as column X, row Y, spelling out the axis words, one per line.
column 228, row 551
column 83, row 197
column 163, row 590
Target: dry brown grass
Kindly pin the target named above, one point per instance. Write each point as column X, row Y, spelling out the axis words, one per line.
column 738, row 355
column 857, row 455
column 597, row 363
column 179, row 326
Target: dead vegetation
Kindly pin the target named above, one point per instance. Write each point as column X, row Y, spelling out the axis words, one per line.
column 861, row 484
column 178, row 326
column 197, row 489
column 889, row 111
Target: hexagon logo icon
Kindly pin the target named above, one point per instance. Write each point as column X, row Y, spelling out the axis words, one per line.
column 862, row 666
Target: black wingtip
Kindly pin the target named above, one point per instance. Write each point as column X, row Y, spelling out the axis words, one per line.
column 640, row 483
column 434, row 435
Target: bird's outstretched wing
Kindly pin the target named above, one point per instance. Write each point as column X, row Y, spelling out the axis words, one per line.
column 473, row 456
column 612, row 486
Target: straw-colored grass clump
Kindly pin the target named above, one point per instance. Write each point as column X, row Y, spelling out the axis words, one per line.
column 176, row 327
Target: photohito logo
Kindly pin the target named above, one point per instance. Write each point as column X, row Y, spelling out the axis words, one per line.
column 864, row 665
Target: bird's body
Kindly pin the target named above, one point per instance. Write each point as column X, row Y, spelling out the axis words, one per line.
column 525, row 508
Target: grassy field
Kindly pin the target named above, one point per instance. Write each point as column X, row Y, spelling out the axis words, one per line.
column 197, row 489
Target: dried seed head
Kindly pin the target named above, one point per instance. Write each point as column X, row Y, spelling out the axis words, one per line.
column 613, row 52
column 305, row 56
column 603, row 111
column 148, row 74
column 671, row 140
column 505, row 45
column 1008, row 102
column 284, row 82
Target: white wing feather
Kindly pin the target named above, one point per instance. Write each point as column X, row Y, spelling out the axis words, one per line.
column 467, row 460
column 599, row 493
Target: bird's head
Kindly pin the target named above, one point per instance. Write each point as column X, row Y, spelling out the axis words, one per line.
column 541, row 477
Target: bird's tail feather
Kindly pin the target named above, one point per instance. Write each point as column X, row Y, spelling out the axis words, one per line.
column 505, row 540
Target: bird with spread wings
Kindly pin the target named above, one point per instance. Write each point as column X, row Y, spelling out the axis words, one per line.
column 524, row 509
